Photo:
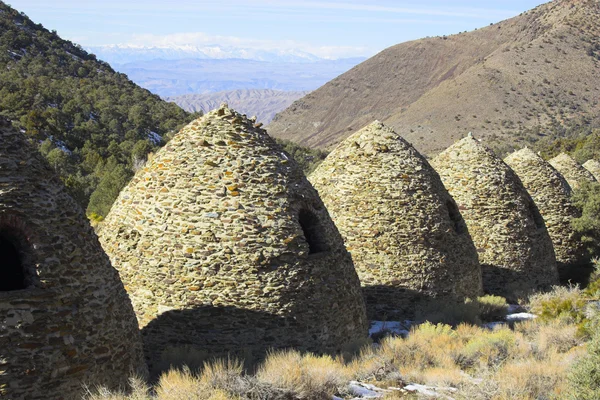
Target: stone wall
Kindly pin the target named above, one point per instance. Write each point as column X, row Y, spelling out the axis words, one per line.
column 593, row 167
column 515, row 250
column 225, row 247
column 65, row 318
column 552, row 196
column 571, row 170
column 407, row 238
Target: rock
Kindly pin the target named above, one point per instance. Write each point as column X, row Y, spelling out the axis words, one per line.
column 63, row 308
column 409, row 243
column 574, row 173
column 515, row 250
column 593, row 166
column 552, row 196
column 233, row 275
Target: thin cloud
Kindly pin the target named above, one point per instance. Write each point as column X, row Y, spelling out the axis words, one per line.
column 200, row 39
column 437, row 11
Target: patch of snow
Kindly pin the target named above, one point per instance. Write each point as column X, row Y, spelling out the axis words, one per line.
column 520, row 317
column 155, row 137
column 60, row 145
column 430, row 390
column 365, row 390
column 73, row 56
column 395, row 327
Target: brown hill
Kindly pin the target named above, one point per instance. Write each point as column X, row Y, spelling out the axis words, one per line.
column 263, row 103
column 540, row 68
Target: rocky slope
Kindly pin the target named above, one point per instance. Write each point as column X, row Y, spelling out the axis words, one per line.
column 539, row 69
column 263, row 103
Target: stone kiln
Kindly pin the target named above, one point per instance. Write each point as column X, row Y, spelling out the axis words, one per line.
column 593, row 167
column 552, row 196
column 574, row 173
column 65, row 318
column 408, row 240
column 225, row 247
column 515, row 250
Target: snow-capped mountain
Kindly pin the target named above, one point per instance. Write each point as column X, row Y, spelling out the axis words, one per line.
column 122, row 54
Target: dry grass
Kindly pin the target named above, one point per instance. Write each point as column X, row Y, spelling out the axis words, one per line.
column 306, row 374
column 529, row 361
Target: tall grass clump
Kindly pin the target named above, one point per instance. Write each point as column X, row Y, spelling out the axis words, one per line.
column 584, row 376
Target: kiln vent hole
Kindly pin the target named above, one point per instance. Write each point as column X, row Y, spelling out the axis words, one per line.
column 12, row 273
column 455, row 217
column 312, row 232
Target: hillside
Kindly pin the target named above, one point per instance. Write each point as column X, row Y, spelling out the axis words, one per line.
column 92, row 123
column 263, row 103
column 539, row 69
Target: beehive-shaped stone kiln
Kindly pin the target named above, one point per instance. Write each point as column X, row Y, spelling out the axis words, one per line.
column 409, row 243
column 593, row 166
column 65, row 318
column 515, row 250
column 574, row 173
column 552, row 196
column 225, row 247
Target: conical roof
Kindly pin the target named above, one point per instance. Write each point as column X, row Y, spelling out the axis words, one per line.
column 408, row 240
column 515, row 250
column 222, row 236
column 552, row 196
column 593, row 166
column 571, row 170
column 66, row 318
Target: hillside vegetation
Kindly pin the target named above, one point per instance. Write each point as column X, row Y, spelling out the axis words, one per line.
column 93, row 124
column 519, row 80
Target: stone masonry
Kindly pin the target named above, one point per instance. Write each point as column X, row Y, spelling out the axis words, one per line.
column 65, row 318
column 515, row 250
column 594, row 167
column 571, row 170
column 225, row 248
column 552, row 196
column 409, row 243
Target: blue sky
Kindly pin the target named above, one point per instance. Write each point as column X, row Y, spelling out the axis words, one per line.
column 329, row 28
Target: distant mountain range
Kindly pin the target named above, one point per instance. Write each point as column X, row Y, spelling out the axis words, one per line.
column 185, row 76
column 263, row 103
column 532, row 76
column 123, row 54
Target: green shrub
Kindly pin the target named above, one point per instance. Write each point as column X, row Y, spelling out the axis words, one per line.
column 308, row 159
column 448, row 312
column 587, row 199
column 492, row 308
column 567, row 304
column 584, row 378
column 490, row 349
column 108, row 190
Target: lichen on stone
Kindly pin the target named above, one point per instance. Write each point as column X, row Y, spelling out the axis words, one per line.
column 571, row 170
column 65, row 318
column 552, row 196
column 515, row 249
column 409, row 243
column 593, row 166
column 226, row 248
